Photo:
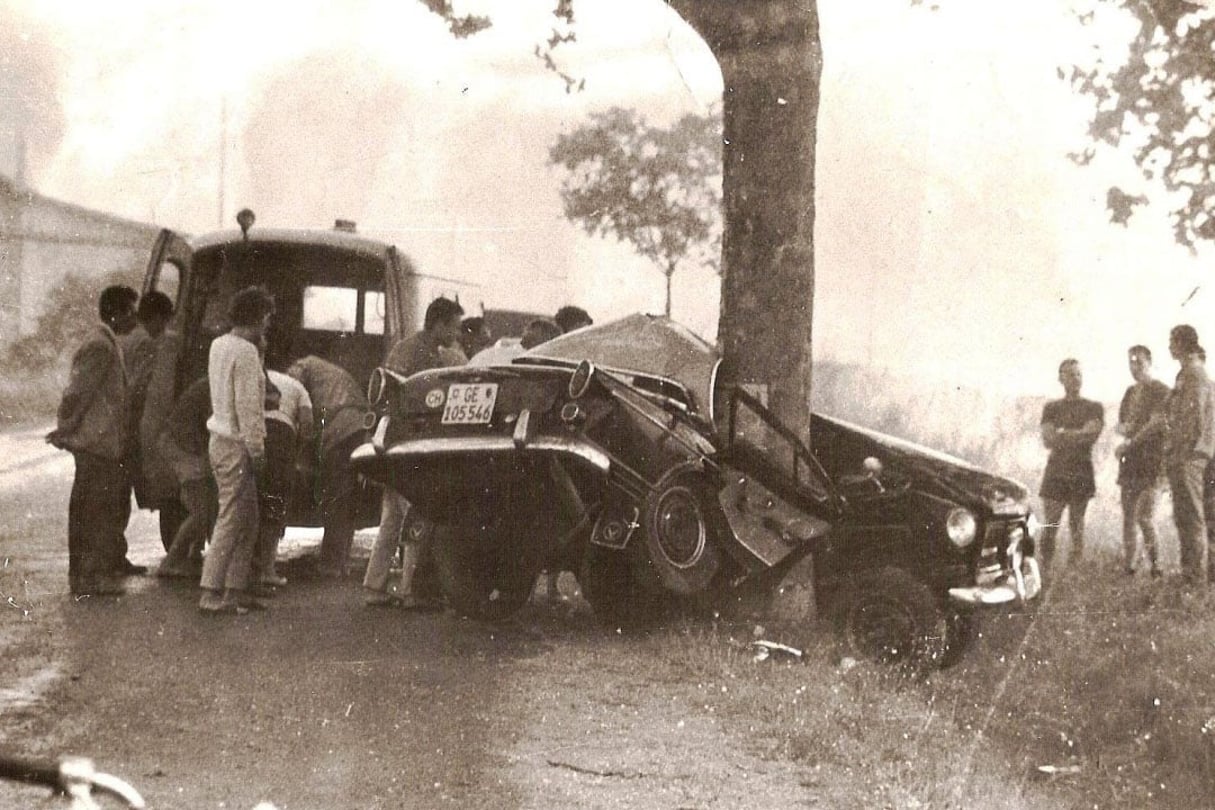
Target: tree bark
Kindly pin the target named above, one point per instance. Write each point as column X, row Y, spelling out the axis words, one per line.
column 771, row 62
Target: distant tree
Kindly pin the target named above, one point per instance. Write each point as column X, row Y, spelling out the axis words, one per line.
column 1158, row 102
column 68, row 316
column 658, row 189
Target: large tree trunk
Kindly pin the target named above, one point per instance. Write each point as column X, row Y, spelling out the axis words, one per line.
column 771, row 61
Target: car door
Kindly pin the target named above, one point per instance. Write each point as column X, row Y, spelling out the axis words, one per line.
column 776, row 497
column 168, row 271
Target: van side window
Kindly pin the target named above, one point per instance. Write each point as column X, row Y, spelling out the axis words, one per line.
column 331, row 309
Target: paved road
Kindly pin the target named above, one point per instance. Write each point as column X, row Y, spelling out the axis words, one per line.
column 321, row 702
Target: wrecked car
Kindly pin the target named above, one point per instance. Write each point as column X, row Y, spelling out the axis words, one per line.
column 603, row 447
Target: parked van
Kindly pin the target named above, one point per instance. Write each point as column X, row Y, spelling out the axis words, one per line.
column 338, row 295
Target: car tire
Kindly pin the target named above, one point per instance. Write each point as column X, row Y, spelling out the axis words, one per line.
column 680, row 524
column 477, row 575
column 890, row 615
column 618, row 597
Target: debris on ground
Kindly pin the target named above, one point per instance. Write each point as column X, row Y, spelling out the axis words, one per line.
column 770, row 649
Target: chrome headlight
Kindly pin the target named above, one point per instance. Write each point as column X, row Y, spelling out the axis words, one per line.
column 1033, row 526
column 961, row 527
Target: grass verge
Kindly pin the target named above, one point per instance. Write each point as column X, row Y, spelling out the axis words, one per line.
column 1109, row 683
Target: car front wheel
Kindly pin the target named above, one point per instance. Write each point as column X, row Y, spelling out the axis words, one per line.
column 890, row 615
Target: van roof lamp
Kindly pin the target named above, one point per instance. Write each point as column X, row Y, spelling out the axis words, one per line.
column 245, row 219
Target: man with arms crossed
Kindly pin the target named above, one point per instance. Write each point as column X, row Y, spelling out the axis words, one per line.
column 1070, row 427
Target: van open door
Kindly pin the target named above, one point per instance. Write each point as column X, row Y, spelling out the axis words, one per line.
column 168, row 272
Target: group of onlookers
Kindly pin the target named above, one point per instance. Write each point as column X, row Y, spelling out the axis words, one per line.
column 97, row 422
column 236, row 441
column 1167, row 433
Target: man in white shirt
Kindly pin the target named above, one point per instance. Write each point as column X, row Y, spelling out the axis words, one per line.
column 237, row 452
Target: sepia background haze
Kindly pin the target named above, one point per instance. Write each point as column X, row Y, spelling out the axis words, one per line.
column 956, row 243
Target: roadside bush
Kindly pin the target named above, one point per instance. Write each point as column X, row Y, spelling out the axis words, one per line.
column 69, row 315
column 33, row 368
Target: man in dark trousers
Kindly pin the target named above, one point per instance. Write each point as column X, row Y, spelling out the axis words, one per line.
column 92, row 424
column 1189, row 447
column 1070, row 427
column 419, row 352
column 183, row 444
column 339, row 410
column 139, row 348
column 1141, row 421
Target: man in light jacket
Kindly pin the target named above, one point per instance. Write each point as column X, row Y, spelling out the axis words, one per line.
column 92, row 422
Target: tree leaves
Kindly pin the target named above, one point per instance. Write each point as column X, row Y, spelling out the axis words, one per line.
column 1161, row 101
column 656, row 188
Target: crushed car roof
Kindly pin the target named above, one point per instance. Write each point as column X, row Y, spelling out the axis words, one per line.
column 645, row 344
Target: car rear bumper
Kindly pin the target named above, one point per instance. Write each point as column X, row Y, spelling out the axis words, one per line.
column 420, row 449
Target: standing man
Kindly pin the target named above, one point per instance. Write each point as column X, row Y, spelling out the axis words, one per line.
column 184, row 445
column 1141, row 420
column 139, row 348
column 441, row 329
column 237, row 452
column 1070, row 427
column 1189, row 445
column 92, row 424
column 339, row 408
column 568, row 318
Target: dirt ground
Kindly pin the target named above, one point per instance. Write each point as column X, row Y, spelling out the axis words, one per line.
column 323, row 703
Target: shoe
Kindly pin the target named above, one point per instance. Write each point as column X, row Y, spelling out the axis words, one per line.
column 176, row 572
column 223, row 609
column 275, row 580
column 98, row 587
column 379, row 599
column 126, row 568
column 263, row 591
column 421, row 604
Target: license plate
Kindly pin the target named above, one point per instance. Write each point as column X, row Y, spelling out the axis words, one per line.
column 470, row 403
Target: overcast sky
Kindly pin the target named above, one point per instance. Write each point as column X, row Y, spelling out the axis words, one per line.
column 954, row 238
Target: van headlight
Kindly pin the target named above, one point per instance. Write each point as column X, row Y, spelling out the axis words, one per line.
column 961, row 527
